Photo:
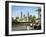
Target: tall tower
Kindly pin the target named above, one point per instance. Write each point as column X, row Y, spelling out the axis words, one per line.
column 28, row 14
column 21, row 14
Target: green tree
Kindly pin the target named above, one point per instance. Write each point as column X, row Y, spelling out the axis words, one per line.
column 16, row 20
column 39, row 10
column 13, row 21
column 33, row 20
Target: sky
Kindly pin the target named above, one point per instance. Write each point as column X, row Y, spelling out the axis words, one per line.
column 16, row 10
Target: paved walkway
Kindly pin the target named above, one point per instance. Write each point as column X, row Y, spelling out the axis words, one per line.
column 21, row 28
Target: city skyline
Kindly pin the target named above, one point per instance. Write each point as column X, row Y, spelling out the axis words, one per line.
column 16, row 10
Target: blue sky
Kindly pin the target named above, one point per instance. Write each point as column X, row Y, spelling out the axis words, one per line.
column 16, row 10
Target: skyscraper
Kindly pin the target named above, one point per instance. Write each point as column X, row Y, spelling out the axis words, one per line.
column 28, row 14
column 21, row 14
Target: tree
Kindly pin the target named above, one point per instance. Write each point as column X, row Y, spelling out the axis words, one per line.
column 30, row 18
column 39, row 16
column 33, row 20
column 16, row 20
column 39, row 10
column 13, row 21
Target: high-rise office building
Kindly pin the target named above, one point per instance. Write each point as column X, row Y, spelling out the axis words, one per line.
column 28, row 14
column 21, row 14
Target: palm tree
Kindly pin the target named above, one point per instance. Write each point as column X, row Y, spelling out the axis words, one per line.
column 39, row 11
column 39, row 15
